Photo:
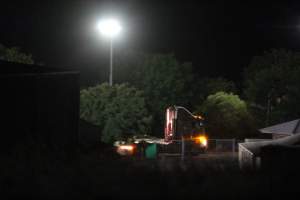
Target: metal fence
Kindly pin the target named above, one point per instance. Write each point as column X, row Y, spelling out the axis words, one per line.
column 181, row 147
column 223, row 145
column 214, row 146
column 246, row 158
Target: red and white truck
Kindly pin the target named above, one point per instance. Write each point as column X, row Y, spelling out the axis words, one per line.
column 181, row 126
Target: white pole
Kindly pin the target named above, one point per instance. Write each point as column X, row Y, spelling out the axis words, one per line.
column 111, row 63
column 233, row 145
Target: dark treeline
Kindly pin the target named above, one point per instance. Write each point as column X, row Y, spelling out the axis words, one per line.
column 145, row 85
column 267, row 94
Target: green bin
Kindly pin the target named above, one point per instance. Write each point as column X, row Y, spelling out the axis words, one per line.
column 151, row 151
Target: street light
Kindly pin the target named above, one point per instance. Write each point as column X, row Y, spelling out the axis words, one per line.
column 110, row 28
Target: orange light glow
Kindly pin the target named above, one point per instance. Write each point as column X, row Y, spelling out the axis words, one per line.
column 126, row 147
column 198, row 117
column 202, row 140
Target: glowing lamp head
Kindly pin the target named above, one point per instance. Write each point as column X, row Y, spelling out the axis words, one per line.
column 109, row 27
column 202, row 140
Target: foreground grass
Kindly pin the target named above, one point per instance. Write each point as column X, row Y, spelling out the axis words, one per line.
column 92, row 178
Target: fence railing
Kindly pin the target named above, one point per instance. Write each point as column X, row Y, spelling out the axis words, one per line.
column 246, row 158
column 223, row 145
column 214, row 146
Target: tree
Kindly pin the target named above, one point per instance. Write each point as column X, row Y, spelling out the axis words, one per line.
column 272, row 86
column 119, row 110
column 14, row 54
column 207, row 86
column 165, row 82
column 226, row 116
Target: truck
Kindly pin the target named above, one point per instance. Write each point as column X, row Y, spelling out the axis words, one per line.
column 181, row 127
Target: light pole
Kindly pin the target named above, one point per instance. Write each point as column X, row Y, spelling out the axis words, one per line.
column 111, row 63
column 110, row 28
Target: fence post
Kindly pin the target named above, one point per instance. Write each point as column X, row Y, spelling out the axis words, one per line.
column 182, row 148
column 233, row 145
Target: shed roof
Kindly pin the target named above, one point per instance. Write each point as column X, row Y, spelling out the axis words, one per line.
column 12, row 68
column 255, row 147
column 287, row 128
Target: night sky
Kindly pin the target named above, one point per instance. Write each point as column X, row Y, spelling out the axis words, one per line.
column 218, row 37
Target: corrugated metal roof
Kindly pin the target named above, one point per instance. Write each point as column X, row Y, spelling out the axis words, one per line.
column 288, row 128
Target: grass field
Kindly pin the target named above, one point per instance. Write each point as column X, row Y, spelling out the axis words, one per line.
column 207, row 176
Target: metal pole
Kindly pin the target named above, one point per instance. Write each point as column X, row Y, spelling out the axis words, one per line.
column 182, row 148
column 111, row 63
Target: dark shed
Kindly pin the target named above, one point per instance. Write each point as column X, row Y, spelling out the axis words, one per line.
column 39, row 109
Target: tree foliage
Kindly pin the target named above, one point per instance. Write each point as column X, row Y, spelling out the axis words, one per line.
column 119, row 110
column 14, row 54
column 272, row 86
column 226, row 116
column 207, row 86
column 165, row 82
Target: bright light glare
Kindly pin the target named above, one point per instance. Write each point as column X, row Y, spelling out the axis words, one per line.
column 126, row 147
column 109, row 27
column 203, row 140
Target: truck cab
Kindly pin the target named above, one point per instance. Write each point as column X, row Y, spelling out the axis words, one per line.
column 181, row 124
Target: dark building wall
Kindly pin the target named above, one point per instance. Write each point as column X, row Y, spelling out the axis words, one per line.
column 89, row 134
column 57, row 109
column 18, row 108
column 39, row 111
